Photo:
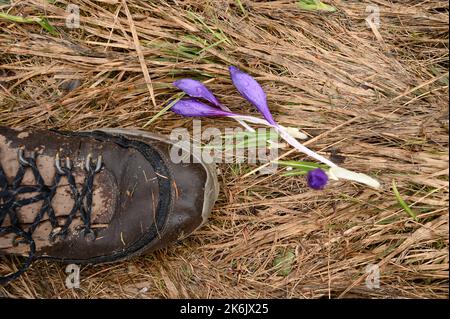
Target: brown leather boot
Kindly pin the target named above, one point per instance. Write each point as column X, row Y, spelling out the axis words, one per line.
column 96, row 197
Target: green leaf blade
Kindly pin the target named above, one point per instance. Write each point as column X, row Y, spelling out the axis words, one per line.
column 315, row 5
column 402, row 202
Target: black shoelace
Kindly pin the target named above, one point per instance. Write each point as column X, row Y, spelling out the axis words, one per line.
column 9, row 203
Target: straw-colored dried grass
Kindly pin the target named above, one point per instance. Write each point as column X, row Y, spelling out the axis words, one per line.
column 378, row 96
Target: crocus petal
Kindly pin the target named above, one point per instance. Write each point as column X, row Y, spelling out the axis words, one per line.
column 251, row 91
column 192, row 107
column 195, row 88
column 317, row 178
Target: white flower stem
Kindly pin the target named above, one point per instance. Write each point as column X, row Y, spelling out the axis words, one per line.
column 302, row 148
column 251, row 119
column 335, row 171
column 288, row 138
column 245, row 125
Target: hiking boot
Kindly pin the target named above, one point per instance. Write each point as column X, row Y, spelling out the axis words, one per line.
column 96, row 197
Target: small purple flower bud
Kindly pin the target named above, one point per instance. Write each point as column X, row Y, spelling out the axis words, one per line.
column 195, row 88
column 251, row 91
column 192, row 107
column 317, row 178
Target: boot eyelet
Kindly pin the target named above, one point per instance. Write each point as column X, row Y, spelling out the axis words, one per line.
column 17, row 240
column 89, row 235
column 82, row 206
column 53, row 237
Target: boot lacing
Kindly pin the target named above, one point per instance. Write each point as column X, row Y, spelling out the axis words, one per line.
column 9, row 203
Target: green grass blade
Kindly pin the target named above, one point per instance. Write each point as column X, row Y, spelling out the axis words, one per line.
column 215, row 34
column 17, row 19
column 239, row 3
column 263, row 136
column 306, row 166
column 212, row 45
column 294, row 172
column 164, row 110
column 402, row 202
column 43, row 22
column 315, row 5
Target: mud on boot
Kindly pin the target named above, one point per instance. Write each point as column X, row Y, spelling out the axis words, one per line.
column 96, row 197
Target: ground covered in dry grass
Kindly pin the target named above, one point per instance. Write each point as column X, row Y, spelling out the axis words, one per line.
column 377, row 96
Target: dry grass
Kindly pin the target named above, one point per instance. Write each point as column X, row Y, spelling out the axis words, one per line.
column 380, row 98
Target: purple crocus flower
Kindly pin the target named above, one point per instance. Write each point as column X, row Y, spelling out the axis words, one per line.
column 192, row 107
column 249, row 88
column 195, row 88
column 317, row 178
column 251, row 91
